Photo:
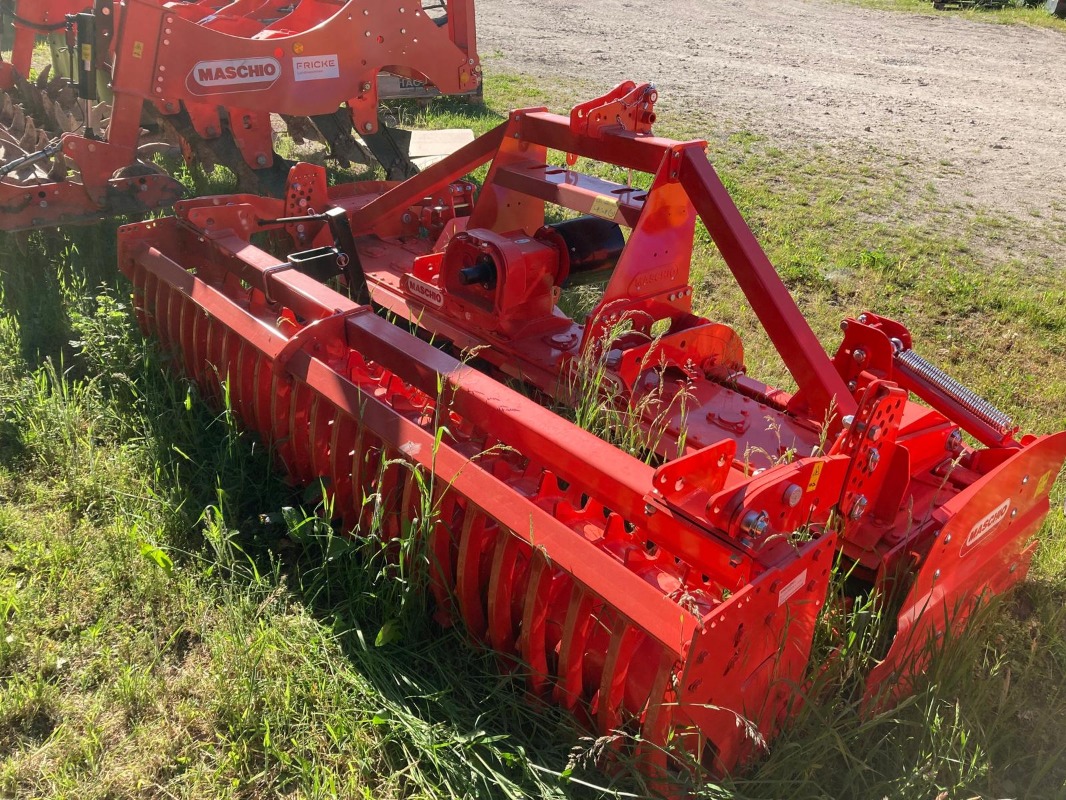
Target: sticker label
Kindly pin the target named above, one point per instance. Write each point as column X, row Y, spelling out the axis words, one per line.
column 316, row 68
column 985, row 526
column 604, row 206
column 246, row 74
column 1041, row 485
column 791, row 588
column 138, row 49
column 816, row 474
column 430, row 295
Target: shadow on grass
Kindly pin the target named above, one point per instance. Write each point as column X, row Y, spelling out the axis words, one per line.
column 447, row 719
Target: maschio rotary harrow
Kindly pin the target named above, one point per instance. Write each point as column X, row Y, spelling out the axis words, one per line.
column 673, row 597
column 207, row 75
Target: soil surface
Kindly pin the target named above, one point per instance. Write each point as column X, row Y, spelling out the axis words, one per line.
column 980, row 108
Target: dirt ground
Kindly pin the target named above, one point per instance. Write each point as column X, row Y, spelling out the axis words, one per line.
column 980, row 108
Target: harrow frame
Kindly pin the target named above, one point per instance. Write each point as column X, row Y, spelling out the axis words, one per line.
column 670, row 600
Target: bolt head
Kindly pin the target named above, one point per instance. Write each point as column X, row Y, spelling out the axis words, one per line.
column 954, row 442
column 755, row 522
column 858, row 508
column 859, row 355
column 872, row 460
column 792, row 496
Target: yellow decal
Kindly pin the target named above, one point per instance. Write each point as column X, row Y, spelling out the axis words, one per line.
column 138, row 49
column 816, row 473
column 606, row 207
column 1041, row 485
column 86, row 53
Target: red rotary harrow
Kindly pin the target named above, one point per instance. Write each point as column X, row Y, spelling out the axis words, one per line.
column 670, row 599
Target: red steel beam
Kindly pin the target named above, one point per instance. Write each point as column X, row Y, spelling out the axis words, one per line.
column 821, row 388
column 413, row 190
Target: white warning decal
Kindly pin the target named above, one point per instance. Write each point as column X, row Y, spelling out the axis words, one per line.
column 791, row 588
column 316, row 68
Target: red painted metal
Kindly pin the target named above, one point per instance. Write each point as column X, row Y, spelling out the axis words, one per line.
column 669, row 600
column 31, row 20
column 228, row 67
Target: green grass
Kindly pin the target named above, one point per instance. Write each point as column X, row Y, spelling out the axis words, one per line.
column 1035, row 15
column 171, row 630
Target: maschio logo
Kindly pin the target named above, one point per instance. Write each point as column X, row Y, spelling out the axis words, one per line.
column 985, row 526
column 430, row 295
column 234, row 74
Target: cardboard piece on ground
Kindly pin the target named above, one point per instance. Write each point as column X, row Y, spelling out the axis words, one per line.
column 429, row 147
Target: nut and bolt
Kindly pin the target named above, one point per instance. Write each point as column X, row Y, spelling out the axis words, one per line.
column 872, row 460
column 954, row 442
column 858, row 508
column 859, row 355
column 755, row 522
column 850, row 423
column 261, row 160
